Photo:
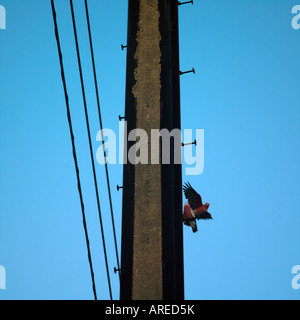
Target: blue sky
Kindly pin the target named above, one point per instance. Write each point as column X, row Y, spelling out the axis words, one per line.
column 244, row 95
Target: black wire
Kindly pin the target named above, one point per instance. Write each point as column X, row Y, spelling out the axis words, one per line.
column 73, row 146
column 90, row 144
column 101, row 127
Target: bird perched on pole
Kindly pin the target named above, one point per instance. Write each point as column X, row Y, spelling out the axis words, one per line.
column 194, row 209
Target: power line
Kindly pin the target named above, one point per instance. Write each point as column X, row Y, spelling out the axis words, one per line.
column 90, row 145
column 101, row 127
column 73, row 146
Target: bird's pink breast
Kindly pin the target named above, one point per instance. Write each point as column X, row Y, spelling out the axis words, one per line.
column 187, row 211
column 198, row 211
column 201, row 209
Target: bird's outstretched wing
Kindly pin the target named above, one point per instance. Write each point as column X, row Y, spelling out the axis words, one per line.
column 194, row 199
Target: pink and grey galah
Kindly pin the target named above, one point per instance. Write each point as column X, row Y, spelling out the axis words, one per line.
column 194, row 209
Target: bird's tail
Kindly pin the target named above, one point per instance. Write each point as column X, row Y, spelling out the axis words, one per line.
column 193, row 224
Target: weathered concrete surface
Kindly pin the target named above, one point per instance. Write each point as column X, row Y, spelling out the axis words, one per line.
column 147, row 243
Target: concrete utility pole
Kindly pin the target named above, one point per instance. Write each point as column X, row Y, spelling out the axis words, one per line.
column 152, row 241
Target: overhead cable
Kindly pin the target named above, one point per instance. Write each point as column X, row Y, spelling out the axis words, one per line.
column 73, row 146
column 101, row 127
column 91, row 147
